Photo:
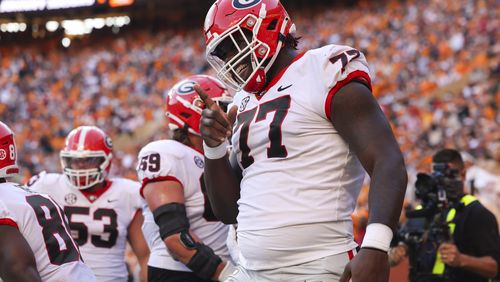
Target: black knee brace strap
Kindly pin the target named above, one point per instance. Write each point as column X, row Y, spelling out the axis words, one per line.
column 171, row 218
column 204, row 263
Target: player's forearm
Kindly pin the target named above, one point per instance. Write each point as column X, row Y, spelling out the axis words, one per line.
column 20, row 272
column 187, row 256
column 484, row 266
column 222, row 188
column 387, row 190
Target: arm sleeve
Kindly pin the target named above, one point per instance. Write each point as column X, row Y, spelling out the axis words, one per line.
column 153, row 166
column 338, row 65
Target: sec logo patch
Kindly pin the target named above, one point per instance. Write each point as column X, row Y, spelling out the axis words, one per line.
column 70, row 198
column 199, row 162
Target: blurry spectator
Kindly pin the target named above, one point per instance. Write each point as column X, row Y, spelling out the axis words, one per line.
column 436, row 65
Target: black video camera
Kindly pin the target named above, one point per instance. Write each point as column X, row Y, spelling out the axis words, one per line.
column 426, row 227
column 438, row 189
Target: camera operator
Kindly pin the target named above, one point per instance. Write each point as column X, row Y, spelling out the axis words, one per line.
column 452, row 237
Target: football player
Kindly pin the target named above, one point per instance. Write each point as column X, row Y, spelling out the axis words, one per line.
column 104, row 213
column 188, row 243
column 307, row 128
column 35, row 243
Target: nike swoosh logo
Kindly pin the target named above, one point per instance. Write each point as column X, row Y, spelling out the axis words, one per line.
column 110, row 201
column 281, row 88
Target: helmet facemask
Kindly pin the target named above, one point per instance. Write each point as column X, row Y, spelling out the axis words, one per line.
column 249, row 52
column 252, row 55
column 83, row 171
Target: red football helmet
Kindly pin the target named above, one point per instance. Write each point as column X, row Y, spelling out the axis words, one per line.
column 255, row 30
column 8, row 153
column 86, row 157
column 184, row 106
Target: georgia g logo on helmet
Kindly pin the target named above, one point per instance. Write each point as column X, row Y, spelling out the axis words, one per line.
column 186, row 87
column 245, row 4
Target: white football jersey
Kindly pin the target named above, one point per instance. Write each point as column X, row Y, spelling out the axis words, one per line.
column 171, row 160
column 41, row 221
column 99, row 223
column 297, row 170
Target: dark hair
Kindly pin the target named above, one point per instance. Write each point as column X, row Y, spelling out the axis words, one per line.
column 292, row 41
column 448, row 156
column 181, row 135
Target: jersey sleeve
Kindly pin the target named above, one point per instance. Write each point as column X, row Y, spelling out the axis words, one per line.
column 35, row 183
column 156, row 164
column 338, row 65
column 6, row 218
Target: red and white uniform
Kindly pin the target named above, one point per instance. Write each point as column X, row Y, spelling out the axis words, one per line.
column 41, row 221
column 171, row 160
column 300, row 179
column 99, row 221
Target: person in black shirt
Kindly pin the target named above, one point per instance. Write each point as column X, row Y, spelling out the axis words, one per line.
column 473, row 255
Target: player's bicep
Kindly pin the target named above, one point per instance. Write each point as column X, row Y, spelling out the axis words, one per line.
column 136, row 237
column 17, row 261
column 233, row 161
column 360, row 121
column 159, row 193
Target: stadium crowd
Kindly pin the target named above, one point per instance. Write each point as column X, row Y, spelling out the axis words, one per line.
column 435, row 63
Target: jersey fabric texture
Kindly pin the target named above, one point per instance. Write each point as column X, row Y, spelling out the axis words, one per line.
column 99, row 222
column 41, row 222
column 299, row 175
column 171, row 160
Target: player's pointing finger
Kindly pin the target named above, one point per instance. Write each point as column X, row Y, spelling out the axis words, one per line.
column 204, row 96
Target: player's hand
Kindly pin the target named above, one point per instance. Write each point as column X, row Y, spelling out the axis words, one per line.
column 367, row 266
column 450, row 255
column 215, row 125
column 397, row 254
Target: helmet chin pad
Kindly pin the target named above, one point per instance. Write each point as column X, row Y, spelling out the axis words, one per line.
column 84, row 178
column 257, row 82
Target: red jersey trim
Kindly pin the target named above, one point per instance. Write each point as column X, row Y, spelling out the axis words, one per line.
column 350, row 254
column 358, row 74
column 145, row 181
column 9, row 222
column 278, row 76
column 97, row 193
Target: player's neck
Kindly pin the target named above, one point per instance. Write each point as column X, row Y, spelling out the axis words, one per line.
column 195, row 142
column 97, row 187
column 284, row 59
